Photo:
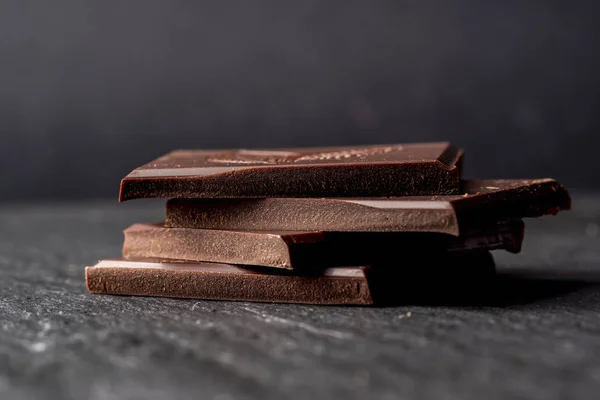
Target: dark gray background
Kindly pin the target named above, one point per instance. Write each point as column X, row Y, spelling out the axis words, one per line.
column 89, row 90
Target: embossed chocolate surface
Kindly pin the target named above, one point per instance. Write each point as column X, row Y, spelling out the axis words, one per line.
column 379, row 170
column 333, row 286
column 480, row 202
column 304, row 250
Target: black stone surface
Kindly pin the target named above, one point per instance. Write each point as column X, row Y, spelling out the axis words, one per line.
column 540, row 339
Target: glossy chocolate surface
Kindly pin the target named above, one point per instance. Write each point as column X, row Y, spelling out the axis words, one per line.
column 380, row 170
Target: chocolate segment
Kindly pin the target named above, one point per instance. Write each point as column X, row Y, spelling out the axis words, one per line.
column 227, row 282
column 273, row 249
column 304, row 250
column 386, row 170
column 334, row 286
column 481, row 203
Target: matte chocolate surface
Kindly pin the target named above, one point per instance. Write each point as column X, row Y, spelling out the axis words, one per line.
column 341, row 286
column 227, row 282
column 272, row 249
column 302, row 250
column 384, row 170
column 482, row 202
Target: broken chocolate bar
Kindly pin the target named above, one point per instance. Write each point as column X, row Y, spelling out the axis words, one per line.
column 333, row 286
column 385, row 170
column 303, row 250
column 482, row 202
column 272, row 249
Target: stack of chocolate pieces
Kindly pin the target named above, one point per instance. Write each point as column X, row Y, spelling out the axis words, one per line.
column 318, row 225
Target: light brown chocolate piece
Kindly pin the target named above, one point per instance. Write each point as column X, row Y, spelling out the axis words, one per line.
column 302, row 250
column 380, row 170
column 482, row 202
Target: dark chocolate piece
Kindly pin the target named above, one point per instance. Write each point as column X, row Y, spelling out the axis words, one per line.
column 481, row 203
column 384, row 170
column 334, row 286
column 226, row 282
column 271, row 249
column 302, row 250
